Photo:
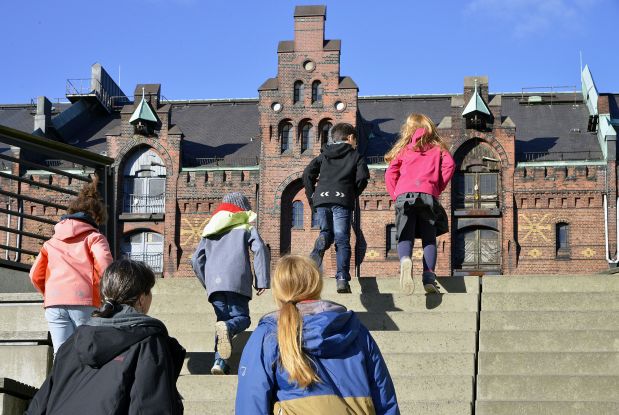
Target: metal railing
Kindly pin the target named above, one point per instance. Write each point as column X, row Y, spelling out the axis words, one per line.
column 144, row 203
column 154, row 261
column 584, row 155
column 375, row 159
column 35, row 193
column 221, row 161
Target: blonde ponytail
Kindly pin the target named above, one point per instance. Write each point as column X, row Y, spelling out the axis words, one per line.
column 296, row 278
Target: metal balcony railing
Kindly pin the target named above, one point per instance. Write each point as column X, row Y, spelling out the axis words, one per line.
column 154, row 261
column 585, row 155
column 144, row 204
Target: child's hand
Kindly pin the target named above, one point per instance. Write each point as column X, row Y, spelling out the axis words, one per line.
column 260, row 291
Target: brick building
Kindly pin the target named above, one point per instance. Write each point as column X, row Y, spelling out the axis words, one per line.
column 536, row 170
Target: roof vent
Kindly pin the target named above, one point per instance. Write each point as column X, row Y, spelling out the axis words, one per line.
column 535, row 99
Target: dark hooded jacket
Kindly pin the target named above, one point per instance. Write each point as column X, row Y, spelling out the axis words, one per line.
column 353, row 376
column 125, row 364
column 341, row 173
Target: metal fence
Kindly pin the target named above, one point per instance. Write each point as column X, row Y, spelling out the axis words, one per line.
column 154, row 261
column 144, row 204
column 221, row 161
column 585, row 155
column 34, row 193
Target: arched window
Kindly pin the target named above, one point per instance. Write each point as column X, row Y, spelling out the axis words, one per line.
column 562, row 238
column 144, row 182
column 307, row 136
column 145, row 247
column 297, row 214
column 316, row 92
column 298, row 92
column 285, row 136
column 315, row 221
column 325, row 126
column 391, row 247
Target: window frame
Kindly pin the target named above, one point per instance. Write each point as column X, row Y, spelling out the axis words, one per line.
column 297, row 221
column 288, row 139
column 298, row 94
column 317, row 92
column 562, row 252
column 306, row 140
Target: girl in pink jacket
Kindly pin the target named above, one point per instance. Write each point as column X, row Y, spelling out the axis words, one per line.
column 68, row 268
column 420, row 168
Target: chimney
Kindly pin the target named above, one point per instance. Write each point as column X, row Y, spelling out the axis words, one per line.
column 309, row 28
column 152, row 94
column 469, row 87
column 43, row 117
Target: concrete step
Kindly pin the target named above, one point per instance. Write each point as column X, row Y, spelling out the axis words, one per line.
column 358, row 285
column 14, row 281
column 388, row 341
column 25, row 364
column 411, row 364
column 205, row 319
column 226, row 407
column 547, row 363
column 549, row 341
column 22, row 317
column 549, row 320
column 604, row 301
column 546, row 408
column 430, row 388
column 37, row 337
column 21, row 297
column 547, row 388
column 551, row 284
column 378, row 303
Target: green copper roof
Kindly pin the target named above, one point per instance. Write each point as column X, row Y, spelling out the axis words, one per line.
column 476, row 103
column 143, row 112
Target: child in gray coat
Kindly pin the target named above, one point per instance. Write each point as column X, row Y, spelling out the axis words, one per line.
column 221, row 263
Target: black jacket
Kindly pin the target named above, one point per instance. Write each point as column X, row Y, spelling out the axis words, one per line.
column 341, row 173
column 125, row 364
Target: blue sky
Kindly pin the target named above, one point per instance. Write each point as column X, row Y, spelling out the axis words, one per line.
column 226, row 49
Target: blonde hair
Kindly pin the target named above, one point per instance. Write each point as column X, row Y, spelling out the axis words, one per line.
column 296, row 278
column 412, row 123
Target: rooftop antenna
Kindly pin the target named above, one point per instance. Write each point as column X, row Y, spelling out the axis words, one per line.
column 580, row 52
column 119, row 75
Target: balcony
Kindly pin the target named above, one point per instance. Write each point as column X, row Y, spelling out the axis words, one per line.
column 154, row 261
column 141, row 204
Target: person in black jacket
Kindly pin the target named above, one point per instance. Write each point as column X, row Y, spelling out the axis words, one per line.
column 121, row 361
column 342, row 175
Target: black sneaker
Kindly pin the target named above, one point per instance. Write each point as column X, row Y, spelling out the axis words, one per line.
column 429, row 282
column 343, row 286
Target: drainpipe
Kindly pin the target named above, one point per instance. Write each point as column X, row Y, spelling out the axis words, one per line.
column 608, row 258
column 8, row 234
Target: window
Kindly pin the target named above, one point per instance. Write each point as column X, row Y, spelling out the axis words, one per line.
column 477, row 248
column 563, row 243
column 144, row 183
column 285, row 137
column 316, row 92
column 324, row 132
column 477, row 190
column 392, row 243
column 297, row 214
column 306, row 137
column 145, row 247
column 315, row 221
column 298, row 92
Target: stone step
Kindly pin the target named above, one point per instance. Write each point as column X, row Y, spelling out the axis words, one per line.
column 546, row 408
column 20, row 298
column 25, row 364
column 604, row 301
column 547, row 388
column 38, row 337
column 549, row 341
column 378, row 303
column 551, row 284
column 205, row 319
column 546, row 363
column 549, row 320
column 22, row 317
column 388, row 341
column 14, row 281
column 408, row 388
column 411, row 364
column 226, row 407
column 358, row 285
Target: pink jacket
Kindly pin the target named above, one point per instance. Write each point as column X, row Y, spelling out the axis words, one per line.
column 70, row 265
column 419, row 171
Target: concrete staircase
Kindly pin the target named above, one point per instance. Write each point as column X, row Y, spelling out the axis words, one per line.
column 429, row 342
column 549, row 345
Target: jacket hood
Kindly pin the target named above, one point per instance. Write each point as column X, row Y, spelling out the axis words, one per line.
column 73, row 225
column 337, row 150
column 417, row 135
column 225, row 220
column 328, row 328
column 102, row 339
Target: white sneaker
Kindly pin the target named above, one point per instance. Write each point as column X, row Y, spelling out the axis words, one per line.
column 406, row 276
column 224, row 346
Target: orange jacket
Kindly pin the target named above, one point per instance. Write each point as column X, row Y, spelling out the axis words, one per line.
column 69, row 267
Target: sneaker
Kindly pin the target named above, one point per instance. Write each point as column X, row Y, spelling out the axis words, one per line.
column 406, row 277
column 224, row 346
column 342, row 286
column 429, row 282
column 220, row 367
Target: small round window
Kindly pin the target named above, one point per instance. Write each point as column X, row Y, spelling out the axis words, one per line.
column 276, row 106
column 309, row 65
column 340, row 106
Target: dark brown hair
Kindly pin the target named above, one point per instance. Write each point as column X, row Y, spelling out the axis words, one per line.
column 90, row 202
column 122, row 283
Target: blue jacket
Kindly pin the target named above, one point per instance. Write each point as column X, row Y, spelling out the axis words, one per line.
column 353, row 374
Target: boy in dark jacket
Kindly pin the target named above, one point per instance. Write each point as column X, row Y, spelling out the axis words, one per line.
column 342, row 175
column 221, row 263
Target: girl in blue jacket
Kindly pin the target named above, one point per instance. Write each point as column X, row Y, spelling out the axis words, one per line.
column 311, row 356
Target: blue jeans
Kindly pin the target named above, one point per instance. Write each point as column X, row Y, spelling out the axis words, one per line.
column 334, row 223
column 232, row 308
column 62, row 321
